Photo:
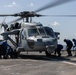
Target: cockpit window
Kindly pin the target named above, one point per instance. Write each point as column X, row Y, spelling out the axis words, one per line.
column 32, row 32
column 41, row 30
column 49, row 31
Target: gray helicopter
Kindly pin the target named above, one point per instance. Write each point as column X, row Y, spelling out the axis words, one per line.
column 32, row 36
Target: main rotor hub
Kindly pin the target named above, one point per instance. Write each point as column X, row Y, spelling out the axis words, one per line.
column 27, row 14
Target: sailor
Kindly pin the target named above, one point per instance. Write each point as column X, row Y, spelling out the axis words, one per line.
column 5, row 49
column 58, row 49
column 74, row 47
column 69, row 46
column 16, row 25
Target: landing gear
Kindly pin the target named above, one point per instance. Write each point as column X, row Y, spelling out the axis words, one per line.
column 47, row 54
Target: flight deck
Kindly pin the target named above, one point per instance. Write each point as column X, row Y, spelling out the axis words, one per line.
column 38, row 64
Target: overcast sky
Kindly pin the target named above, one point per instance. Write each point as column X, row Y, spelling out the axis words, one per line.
column 65, row 25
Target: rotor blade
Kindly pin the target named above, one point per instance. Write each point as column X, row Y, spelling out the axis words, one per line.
column 15, row 20
column 60, row 15
column 50, row 5
column 4, row 15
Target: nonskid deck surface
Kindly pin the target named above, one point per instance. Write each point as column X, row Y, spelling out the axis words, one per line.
column 38, row 64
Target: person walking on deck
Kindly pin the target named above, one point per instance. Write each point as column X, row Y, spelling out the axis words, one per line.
column 69, row 46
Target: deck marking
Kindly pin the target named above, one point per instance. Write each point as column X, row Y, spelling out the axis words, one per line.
column 70, row 63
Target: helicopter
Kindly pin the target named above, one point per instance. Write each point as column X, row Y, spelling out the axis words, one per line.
column 32, row 36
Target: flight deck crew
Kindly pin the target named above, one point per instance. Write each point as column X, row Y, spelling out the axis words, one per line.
column 74, row 40
column 69, row 46
column 5, row 49
column 58, row 49
column 74, row 47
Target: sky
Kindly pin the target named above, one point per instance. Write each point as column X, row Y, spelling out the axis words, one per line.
column 65, row 25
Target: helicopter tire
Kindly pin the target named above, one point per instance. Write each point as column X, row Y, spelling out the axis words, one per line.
column 47, row 54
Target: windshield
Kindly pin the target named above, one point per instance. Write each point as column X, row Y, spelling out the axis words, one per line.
column 49, row 31
column 32, row 32
column 41, row 31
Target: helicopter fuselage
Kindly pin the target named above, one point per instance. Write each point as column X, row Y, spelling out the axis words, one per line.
column 35, row 37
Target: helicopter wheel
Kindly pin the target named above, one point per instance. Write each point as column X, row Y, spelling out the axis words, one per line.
column 47, row 54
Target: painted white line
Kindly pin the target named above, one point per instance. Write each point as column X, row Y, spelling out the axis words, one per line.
column 70, row 63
